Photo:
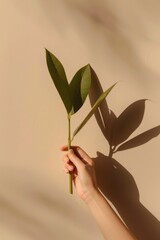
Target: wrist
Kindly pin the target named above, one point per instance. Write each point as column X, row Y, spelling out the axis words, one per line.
column 91, row 195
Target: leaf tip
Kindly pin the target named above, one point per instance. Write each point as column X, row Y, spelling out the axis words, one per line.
column 88, row 65
column 46, row 50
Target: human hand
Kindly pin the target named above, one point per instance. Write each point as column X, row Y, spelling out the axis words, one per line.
column 77, row 161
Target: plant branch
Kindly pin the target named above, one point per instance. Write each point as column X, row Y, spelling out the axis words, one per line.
column 69, row 147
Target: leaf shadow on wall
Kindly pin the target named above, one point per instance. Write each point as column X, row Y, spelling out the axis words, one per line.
column 116, row 183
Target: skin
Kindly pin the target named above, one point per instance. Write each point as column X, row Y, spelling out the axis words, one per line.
column 77, row 161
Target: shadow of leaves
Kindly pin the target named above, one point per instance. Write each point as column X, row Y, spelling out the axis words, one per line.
column 117, row 130
column 128, row 121
column 115, row 182
column 140, row 139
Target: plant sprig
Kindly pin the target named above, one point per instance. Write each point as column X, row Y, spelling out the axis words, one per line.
column 73, row 94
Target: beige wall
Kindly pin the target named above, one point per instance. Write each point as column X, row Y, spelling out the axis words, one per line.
column 121, row 40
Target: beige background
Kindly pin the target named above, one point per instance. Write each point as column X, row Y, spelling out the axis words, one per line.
column 121, row 40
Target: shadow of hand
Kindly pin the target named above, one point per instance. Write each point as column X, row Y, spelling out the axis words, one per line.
column 119, row 186
column 115, row 181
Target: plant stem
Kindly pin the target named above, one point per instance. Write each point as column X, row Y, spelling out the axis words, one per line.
column 69, row 147
column 111, row 151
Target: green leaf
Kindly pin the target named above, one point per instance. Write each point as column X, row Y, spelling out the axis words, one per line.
column 79, row 87
column 128, row 121
column 94, row 108
column 140, row 139
column 58, row 75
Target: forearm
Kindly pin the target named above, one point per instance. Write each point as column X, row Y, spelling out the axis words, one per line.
column 110, row 224
column 85, row 182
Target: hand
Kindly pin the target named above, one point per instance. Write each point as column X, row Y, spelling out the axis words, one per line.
column 77, row 161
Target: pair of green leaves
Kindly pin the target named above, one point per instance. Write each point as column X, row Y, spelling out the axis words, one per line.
column 73, row 94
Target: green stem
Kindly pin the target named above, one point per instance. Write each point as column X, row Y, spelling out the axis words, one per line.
column 69, row 147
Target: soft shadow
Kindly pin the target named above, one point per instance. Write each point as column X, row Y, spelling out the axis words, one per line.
column 117, row 130
column 115, row 182
column 119, row 186
column 104, row 117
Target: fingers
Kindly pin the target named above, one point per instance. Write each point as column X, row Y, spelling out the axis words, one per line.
column 68, row 168
column 75, row 159
column 81, row 154
column 68, row 165
column 65, row 148
column 84, row 155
